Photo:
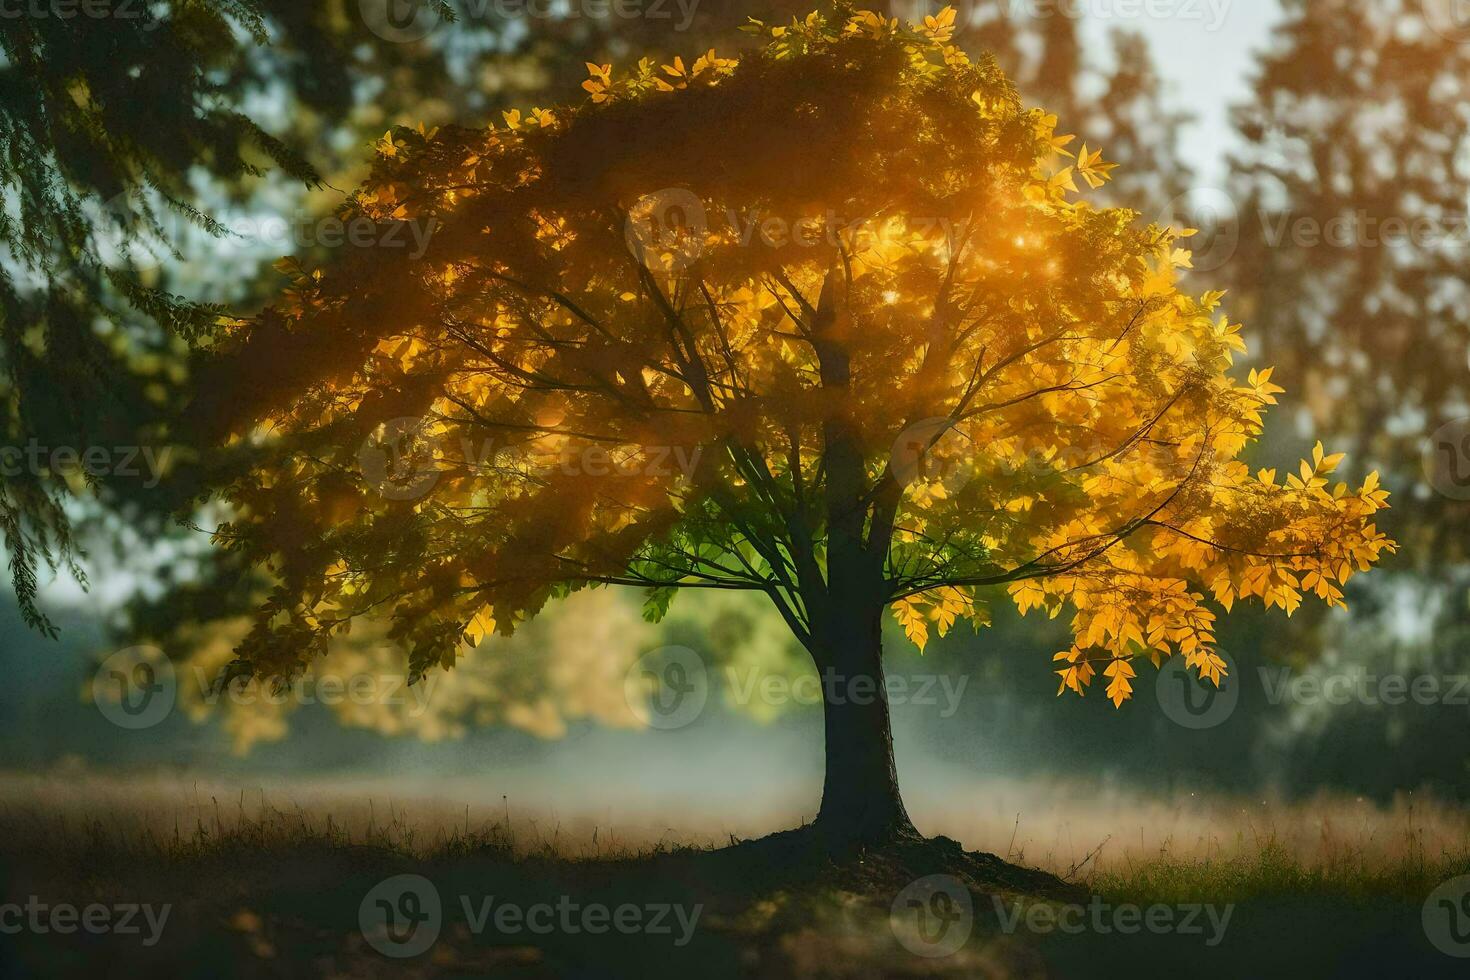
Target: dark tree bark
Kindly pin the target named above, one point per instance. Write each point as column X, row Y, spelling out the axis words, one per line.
column 861, row 802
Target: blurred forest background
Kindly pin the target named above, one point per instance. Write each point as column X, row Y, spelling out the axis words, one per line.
column 1350, row 109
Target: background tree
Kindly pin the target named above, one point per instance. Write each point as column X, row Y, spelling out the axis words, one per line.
column 557, row 352
column 1116, row 101
column 1351, row 192
column 75, row 144
column 123, row 127
column 1141, row 132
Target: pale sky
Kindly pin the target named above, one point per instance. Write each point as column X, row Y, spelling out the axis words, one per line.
column 1205, row 53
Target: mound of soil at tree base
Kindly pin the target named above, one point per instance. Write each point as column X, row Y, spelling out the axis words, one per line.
column 800, row 858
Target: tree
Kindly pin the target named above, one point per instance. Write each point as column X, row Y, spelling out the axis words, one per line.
column 555, row 672
column 426, row 81
column 76, row 151
column 1121, row 106
column 828, row 323
column 1351, row 190
column 117, row 121
column 1140, row 132
column 1060, row 63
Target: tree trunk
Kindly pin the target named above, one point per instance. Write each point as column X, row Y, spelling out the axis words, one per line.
column 860, row 799
column 861, row 804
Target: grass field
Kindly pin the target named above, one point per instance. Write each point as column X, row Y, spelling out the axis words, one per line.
column 275, row 881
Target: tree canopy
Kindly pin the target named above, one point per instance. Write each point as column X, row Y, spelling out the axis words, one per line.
column 1351, row 193
column 831, row 322
column 109, row 117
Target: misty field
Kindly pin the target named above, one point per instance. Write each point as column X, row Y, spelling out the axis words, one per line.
column 272, row 880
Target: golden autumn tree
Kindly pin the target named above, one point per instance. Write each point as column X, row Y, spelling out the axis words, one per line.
column 831, row 323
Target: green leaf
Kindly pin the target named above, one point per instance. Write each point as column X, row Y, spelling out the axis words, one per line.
column 656, row 606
